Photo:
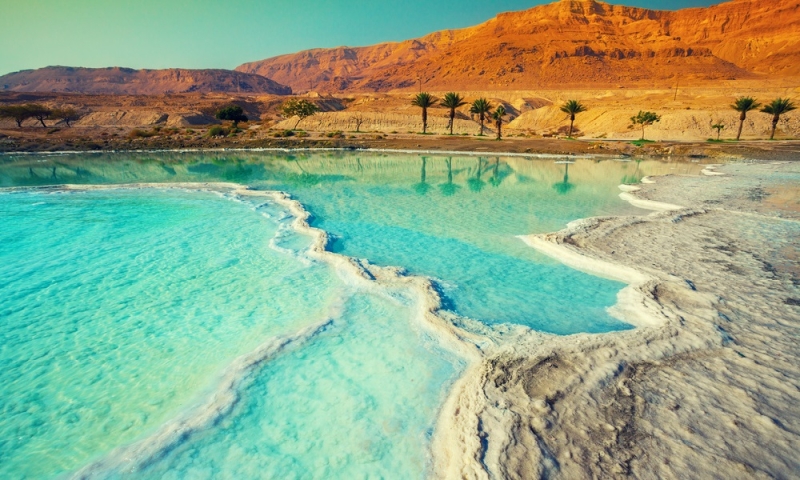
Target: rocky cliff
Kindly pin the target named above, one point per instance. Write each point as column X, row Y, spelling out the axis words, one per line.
column 570, row 42
column 126, row 81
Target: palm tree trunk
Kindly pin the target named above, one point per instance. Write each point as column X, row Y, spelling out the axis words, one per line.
column 481, row 130
column 571, row 121
column 741, row 124
column 424, row 120
column 774, row 126
column 452, row 119
column 499, row 129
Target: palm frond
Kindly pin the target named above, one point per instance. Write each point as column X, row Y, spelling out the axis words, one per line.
column 779, row 106
column 453, row 100
column 572, row 107
column 424, row 100
column 745, row 104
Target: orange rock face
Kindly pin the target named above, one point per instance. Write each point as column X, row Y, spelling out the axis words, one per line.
column 571, row 42
column 127, row 81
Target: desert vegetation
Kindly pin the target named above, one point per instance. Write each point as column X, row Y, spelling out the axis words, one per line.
column 21, row 113
column 452, row 101
column 645, row 119
column 424, row 101
column 234, row 113
column 572, row 108
column 776, row 108
column 481, row 107
column 744, row 105
column 498, row 115
column 299, row 108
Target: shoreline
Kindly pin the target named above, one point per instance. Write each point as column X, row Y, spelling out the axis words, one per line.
column 40, row 143
column 219, row 399
column 653, row 401
column 509, row 414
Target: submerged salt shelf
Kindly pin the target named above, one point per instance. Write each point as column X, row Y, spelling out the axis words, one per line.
column 124, row 307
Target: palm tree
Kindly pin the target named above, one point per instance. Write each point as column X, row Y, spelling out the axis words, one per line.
column 744, row 105
column 498, row 118
column 572, row 108
column 452, row 101
column 778, row 107
column 718, row 127
column 481, row 107
column 424, row 101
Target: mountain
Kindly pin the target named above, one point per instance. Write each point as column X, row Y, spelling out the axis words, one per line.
column 127, row 81
column 569, row 42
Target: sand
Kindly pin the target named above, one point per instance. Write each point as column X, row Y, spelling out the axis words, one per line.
column 707, row 384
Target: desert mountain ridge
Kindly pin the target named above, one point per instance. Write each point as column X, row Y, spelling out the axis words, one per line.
column 567, row 43
column 128, row 81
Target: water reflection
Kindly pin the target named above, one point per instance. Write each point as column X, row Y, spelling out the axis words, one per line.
column 279, row 170
column 422, row 187
column 563, row 187
column 633, row 178
column 475, row 183
column 449, row 188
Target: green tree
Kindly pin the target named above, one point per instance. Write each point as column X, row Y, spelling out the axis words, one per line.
column 452, row 101
column 572, row 108
column 39, row 112
column 481, row 107
column 424, row 101
column 498, row 115
column 744, row 105
column 644, row 119
column 19, row 113
column 234, row 113
column 300, row 108
column 778, row 107
column 718, row 127
column 67, row 115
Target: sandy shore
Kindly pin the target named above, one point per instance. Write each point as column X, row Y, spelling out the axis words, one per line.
column 707, row 384
column 36, row 140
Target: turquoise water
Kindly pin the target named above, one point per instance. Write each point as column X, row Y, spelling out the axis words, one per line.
column 122, row 308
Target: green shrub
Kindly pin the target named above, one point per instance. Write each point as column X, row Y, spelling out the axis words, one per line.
column 336, row 134
column 136, row 133
column 217, row 131
column 284, row 133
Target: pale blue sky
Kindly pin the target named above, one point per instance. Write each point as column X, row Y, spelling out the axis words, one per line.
column 224, row 34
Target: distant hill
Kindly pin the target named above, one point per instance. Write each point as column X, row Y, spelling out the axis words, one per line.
column 127, row 81
column 570, row 42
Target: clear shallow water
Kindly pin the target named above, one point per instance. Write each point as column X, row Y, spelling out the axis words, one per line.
column 118, row 306
column 121, row 307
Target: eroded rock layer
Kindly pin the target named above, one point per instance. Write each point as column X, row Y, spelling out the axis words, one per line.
column 570, row 42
